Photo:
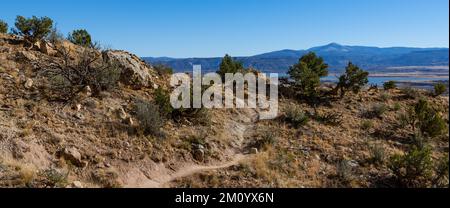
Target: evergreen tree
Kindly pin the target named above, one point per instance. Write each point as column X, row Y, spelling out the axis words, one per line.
column 80, row 37
column 3, row 27
column 228, row 65
column 307, row 72
column 33, row 29
column 353, row 79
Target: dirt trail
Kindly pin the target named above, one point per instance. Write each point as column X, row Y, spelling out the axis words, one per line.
column 237, row 129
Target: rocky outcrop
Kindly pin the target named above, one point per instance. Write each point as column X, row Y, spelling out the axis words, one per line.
column 135, row 72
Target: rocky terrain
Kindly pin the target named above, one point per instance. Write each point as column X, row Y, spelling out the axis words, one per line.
column 93, row 138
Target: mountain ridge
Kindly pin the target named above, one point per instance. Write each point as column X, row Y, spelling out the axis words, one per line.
column 336, row 55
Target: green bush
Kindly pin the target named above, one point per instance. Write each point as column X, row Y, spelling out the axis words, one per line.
column 442, row 172
column 149, row 118
column 410, row 93
column 80, row 37
column 162, row 99
column 440, row 89
column 295, row 116
column 413, row 169
column 429, row 121
column 353, row 79
column 33, row 29
column 3, row 27
column 366, row 125
column 307, row 73
column 389, row 85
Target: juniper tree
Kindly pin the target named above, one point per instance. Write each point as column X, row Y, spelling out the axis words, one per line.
column 228, row 65
column 307, row 72
column 80, row 37
column 353, row 79
column 3, row 27
column 33, row 29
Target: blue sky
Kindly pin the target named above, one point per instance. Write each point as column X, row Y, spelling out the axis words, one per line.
column 207, row 28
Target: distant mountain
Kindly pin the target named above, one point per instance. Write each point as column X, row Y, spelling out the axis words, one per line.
column 336, row 55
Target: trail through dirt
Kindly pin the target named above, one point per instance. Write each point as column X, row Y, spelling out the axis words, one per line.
column 236, row 129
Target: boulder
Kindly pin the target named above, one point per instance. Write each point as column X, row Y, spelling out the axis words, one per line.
column 135, row 72
column 46, row 48
column 72, row 155
column 28, row 83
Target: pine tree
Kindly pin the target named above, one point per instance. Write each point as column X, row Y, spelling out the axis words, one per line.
column 307, row 72
column 353, row 79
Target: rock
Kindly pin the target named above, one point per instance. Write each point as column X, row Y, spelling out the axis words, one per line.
column 78, row 107
column 46, row 48
column 77, row 184
column 129, row 121
column 79, row 116
column 26, row 55
column 199, row 155
column 87, row 91
column 135, row 72
column 122, row 114
column 254, row 151
column 72, row 155
column 29, row 83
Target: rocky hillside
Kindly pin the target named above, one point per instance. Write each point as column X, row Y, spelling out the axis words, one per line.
column 87, row 131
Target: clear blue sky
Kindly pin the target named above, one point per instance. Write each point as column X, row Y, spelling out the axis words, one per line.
column 206, row 28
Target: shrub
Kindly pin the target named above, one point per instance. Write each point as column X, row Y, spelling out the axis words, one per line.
column 396, row 107
column 366, row 125
column 55, row 36
column 3, row 27
column 353, row 79
column 385, row 97
column 330, row 118
column 410, row 93
column 376, row 111
column 56, row 178
column 295, row 116
column 149, row 118
column 163, row 69
column 307, row 72
column 413, row 169
column 33, row 29
column 389, row 85
column 68, row 79
column 162, row 99
column 344, row 171
column 266, row 138
column 378, row 155
column 441, row 172
column 429, row 121
column 439, row 89
column 80, row 37
column 228, row 65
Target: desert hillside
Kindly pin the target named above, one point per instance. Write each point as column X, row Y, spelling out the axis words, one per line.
column 72, row 116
